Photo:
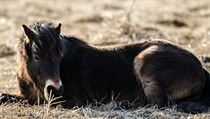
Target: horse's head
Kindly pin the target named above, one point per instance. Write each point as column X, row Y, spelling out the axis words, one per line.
column 43, row 51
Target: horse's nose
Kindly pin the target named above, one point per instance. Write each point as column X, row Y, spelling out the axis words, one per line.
column 53, row 87
column 54, row 91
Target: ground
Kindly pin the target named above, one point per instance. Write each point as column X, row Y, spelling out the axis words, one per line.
column 185, row 23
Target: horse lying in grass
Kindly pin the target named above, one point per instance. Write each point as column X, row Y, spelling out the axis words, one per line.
column 151, row 72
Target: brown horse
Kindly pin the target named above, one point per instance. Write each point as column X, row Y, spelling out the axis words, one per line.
column 149, row 72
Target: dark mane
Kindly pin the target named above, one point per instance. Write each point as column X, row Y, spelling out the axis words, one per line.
column 45, row 30
column 46, row 40
column 75, row 41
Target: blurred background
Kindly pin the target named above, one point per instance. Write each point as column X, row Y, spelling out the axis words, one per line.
column 186, row 23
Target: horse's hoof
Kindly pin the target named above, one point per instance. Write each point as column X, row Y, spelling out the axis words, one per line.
column 5, row 98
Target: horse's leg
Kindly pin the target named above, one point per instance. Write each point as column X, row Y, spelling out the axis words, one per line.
column 10, row 98
column 15, row 98
column 26, row 94
column 148, row 79
column 154, row 93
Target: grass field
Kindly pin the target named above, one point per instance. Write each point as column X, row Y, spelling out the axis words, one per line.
column 185, row 23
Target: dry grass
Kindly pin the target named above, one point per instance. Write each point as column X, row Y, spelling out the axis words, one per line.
column 185, row 23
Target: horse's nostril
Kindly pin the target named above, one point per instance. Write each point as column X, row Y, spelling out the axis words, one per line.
column 53, row 91
column 50, row 89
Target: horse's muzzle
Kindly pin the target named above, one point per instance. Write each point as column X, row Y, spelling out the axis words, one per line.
column 55, row 92
column 53, row 88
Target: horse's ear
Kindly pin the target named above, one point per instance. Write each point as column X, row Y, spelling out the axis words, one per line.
column 28, row 32
column 58, row 28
